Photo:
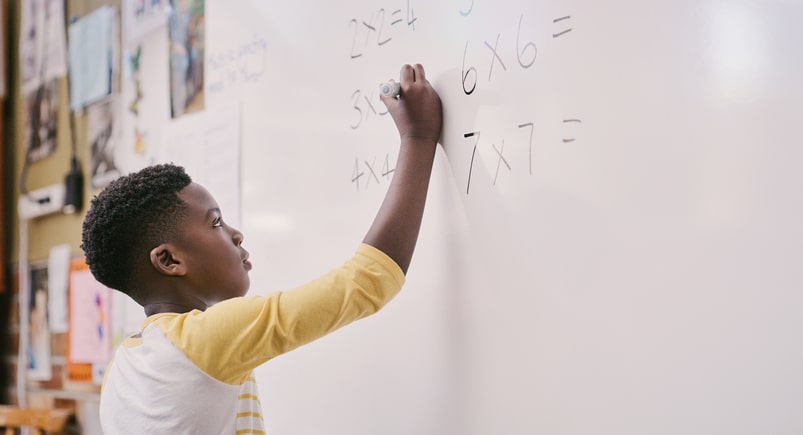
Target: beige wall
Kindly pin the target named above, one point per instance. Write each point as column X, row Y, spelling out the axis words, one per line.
column 48, row 231
column 55, row 229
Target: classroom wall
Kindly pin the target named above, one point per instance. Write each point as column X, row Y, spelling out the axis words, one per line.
column 641, row 276
column 59, row 228
column 44, row 232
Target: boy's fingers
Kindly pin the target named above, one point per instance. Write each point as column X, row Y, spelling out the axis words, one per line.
column 407, row 75
column 419, row 72
column 388, row 101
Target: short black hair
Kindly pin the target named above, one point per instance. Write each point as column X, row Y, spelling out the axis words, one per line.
column 132, row 215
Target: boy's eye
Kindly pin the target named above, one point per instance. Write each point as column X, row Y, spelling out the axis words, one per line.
column 217, row 222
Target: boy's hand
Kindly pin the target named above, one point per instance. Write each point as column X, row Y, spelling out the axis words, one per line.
column 417, row 113
column 418, row 118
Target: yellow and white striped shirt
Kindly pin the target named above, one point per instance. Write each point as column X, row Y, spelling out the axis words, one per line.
column 192, row 373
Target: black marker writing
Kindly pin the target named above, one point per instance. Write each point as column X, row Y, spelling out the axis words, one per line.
column 356, row 175
column 465, row 73
column 473, row 154
column 495, row 55
column 377, row 29
column 526, row 54
column 501, row 159
column 369, row 101
column 557, row 20
column 565, row 121
column 238, row 65
column 369, row 169
column 532, row 128
column 520, row 52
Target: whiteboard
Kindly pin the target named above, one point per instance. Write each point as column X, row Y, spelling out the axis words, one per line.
column 612, row 242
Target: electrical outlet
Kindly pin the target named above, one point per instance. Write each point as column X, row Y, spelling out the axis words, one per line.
column 41, row 202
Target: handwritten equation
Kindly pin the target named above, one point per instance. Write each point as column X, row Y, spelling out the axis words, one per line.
column 498, row 48
column 366, row 105
column 379, row 28
column 503, row 51
column 238, row 65
column 487, row 55
column 371, row 173
column 523, row 140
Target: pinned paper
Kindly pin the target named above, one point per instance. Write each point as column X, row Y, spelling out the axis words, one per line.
column 90, row 328
column 43, row 43
column 91, row 57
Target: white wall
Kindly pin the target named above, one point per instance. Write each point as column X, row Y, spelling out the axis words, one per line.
column 642, row 278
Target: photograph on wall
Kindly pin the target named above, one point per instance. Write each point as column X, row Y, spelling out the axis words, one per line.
column 41, row 121
column 42, row 44
column 186, row 33
column 142, row 17
column 104, row 139
column 39, row 361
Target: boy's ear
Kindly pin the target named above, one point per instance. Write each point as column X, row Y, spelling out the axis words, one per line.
column 166, row 260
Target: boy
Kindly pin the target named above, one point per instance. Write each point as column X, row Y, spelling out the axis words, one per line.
column 160, row 238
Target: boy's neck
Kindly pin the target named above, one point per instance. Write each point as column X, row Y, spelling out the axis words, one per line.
column 169, row 307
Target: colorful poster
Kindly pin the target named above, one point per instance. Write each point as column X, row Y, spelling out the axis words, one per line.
column 144, row 109
column 187, row 42
column 90, row 328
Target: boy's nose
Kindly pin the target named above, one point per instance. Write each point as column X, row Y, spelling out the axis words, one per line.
column 237, row 237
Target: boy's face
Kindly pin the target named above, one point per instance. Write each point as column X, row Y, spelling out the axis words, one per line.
column 217, row 266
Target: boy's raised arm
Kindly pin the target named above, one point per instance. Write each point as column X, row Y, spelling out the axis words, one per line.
column 418, row 117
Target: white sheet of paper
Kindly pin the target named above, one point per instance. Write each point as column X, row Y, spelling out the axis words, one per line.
column 207, row 144
column 59, row 273
column 140, row 18
column 43, row 43
column 91, row 57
